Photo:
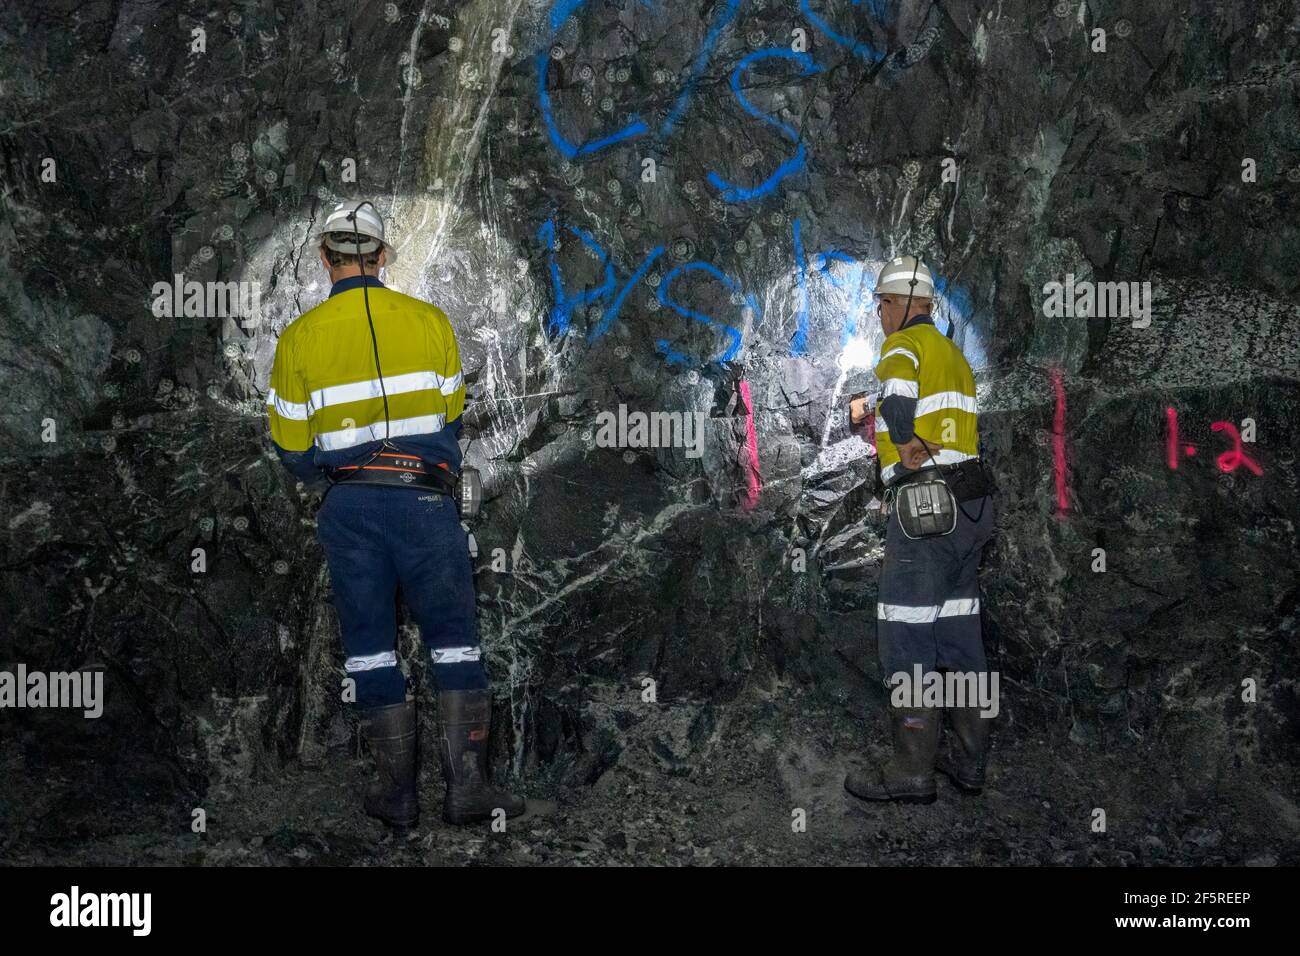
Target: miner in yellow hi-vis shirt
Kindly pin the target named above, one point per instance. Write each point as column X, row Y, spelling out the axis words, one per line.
column 938, row 495
column 366, row 397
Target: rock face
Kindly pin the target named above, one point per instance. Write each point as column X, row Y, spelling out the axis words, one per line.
column 666, row 208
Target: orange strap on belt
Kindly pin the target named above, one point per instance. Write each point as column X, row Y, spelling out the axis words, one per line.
column 405, row 463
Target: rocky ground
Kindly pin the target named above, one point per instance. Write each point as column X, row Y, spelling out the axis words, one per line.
column 699, row 784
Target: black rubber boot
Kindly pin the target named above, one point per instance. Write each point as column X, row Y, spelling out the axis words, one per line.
column 466, row 719
column 909, row 776
column 964, row 764
column 390, row 732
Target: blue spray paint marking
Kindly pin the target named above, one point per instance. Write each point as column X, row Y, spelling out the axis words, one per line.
column 561, row 12
column 859, row 283
column 565, row 305
column 956, row 299
column 636, row 128
column 611, row 314
column 701, row 63
column 730, row 331
column 730, row 191
column 879, row 10
column 952, row 303
column 799, row 344
column 672, row 355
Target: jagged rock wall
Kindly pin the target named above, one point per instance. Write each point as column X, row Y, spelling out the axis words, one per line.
column 672, row 207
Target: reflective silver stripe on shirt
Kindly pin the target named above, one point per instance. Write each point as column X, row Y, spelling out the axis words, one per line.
column 899, row 386
column 941, row 400
column 915, row 361
column 455, row 655
column 370, row 662
column 393, row 385
column 453, row 384
column 348, row 437
column 297, row 411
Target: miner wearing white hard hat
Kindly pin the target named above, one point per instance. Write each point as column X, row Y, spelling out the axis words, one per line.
column 353, row 228
column 367, row 393
column 938, row 497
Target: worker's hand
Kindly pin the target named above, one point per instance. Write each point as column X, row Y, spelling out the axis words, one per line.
column 916, row 453
column 857, row 410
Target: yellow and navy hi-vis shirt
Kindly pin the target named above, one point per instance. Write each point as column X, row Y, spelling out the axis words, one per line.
column 926, row 389
column 325, row 405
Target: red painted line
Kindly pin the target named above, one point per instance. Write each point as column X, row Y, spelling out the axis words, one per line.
column 1059, row 463
column 1171, row 442
column 1231, row 460
column 754, row 479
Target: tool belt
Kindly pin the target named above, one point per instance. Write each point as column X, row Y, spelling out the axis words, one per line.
column 966, row 480
column 404, row 471
column 927, row 500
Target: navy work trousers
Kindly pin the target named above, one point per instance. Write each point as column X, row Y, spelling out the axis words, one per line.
column 378, row 538
column 929, row 610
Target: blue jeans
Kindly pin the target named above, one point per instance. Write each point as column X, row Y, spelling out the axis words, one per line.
column 377, row 539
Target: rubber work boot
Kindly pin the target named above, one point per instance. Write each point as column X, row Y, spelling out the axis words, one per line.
column 466, row 718
column 909, row 776
column 390, row 732
column 964, row 764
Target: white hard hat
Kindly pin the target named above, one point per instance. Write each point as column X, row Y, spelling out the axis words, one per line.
column 342, row 225
column 896, row 278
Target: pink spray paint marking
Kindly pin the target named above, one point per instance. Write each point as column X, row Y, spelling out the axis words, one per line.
column 1059, row 464
column 1171, row 440
column 753, row 478
column 1228, row 462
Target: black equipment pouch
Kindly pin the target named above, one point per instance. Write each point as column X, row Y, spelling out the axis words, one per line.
column 926, row 509
column 969, row 480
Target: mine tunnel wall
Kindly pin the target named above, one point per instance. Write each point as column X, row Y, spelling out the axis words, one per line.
column 624, row 565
